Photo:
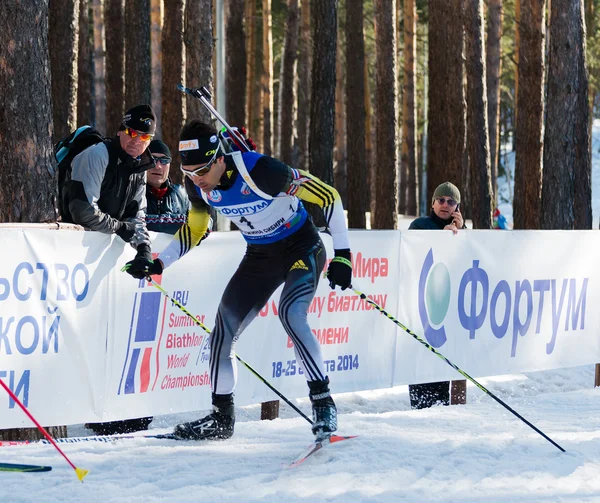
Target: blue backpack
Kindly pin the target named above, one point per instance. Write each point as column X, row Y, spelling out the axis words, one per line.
column 65, row 151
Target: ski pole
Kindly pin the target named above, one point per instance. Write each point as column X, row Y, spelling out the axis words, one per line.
column 81, row 473
column 460, row 371
column 243, row 362
column 204, row 96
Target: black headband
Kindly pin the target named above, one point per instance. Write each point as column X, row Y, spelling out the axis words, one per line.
column 199, row 151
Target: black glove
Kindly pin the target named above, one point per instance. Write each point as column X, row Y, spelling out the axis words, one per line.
column 126, row 231
column 339, row 271
column 143, row 265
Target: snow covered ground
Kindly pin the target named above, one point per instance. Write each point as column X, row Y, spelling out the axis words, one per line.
column 473, row 453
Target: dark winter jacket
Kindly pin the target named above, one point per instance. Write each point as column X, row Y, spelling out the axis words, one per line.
column 166, row 212
column 431, row 222
column 106, row 193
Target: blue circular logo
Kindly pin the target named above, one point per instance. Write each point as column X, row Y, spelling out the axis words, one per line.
column 437, row 293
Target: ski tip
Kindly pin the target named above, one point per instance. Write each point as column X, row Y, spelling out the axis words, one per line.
column 338, row 438
column 10, row 467
column 81, row 473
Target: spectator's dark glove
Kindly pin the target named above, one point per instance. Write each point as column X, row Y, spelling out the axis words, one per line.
column 143, row 265
column 126, row 231
column 340, row 270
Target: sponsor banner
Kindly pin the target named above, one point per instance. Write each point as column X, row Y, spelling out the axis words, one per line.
column 53, row 311
column 159, row 357
column 496, row 303
column 81, row 341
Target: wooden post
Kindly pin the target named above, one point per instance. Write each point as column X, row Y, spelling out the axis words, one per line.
column 458, row 392
column 597, row 379
column 269, row 410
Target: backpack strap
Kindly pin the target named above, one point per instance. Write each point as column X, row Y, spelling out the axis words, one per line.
column 113, row 154
column 243, row 170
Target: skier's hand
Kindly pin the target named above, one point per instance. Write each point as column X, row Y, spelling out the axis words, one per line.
column 339, row 271
column 143, row 265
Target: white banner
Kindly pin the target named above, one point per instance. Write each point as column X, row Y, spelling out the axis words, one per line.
column 496, row 302
column 81, row 341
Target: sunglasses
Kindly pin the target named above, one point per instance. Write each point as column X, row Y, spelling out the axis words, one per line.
column 162, row 160
column 443, row 200
column 134, row 134
column 200, row 171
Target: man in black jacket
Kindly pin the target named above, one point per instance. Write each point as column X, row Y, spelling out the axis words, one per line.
column 445, row 210
column 106, row 192
column 445, row 214
column 168, row 203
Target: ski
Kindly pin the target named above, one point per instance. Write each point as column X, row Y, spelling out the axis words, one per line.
column 92, row 438
column 316, row 446
column 11, row 467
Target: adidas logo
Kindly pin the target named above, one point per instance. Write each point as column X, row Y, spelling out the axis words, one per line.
column 299, row 265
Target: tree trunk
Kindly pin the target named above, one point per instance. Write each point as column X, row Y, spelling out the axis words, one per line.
column 199, row 46
column 115, row 64
column 287, row 78
column 566, row 191
column 85, row 67
column 235, row 70
column 409, row 112
column 267, row 80
column 493, row 69
column 339, row 150
column 477, row 127
column 172, row 75
column 63, row 37
column 386, row 160
column 304, row 87
column 99, row 61
column 369, row 153
column 28, row 186
column 355, row 114
column 251, row 67
column 527, row 208
column 322, row 105
column 446, row 117
column 138, row 73
column 156, row 27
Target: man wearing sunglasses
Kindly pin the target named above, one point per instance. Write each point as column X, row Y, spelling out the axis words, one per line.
column 445, row 215
column 263, row 197
column 106, row 191
column 168, row 203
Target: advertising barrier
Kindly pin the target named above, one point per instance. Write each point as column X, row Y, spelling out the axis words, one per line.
column 81, row 341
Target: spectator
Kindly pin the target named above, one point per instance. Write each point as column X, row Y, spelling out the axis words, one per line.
column 499, row 220
column 106, row 193
column 168, row 203
column 445, row 214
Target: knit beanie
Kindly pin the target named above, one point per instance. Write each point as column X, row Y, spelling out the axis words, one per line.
column 159, row 147
column 446, row 189
column 141, row 118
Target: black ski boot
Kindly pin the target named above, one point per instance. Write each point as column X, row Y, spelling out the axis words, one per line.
column 218, row 425
column 324, row 410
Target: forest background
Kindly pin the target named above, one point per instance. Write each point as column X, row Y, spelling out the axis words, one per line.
column 385, row 99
